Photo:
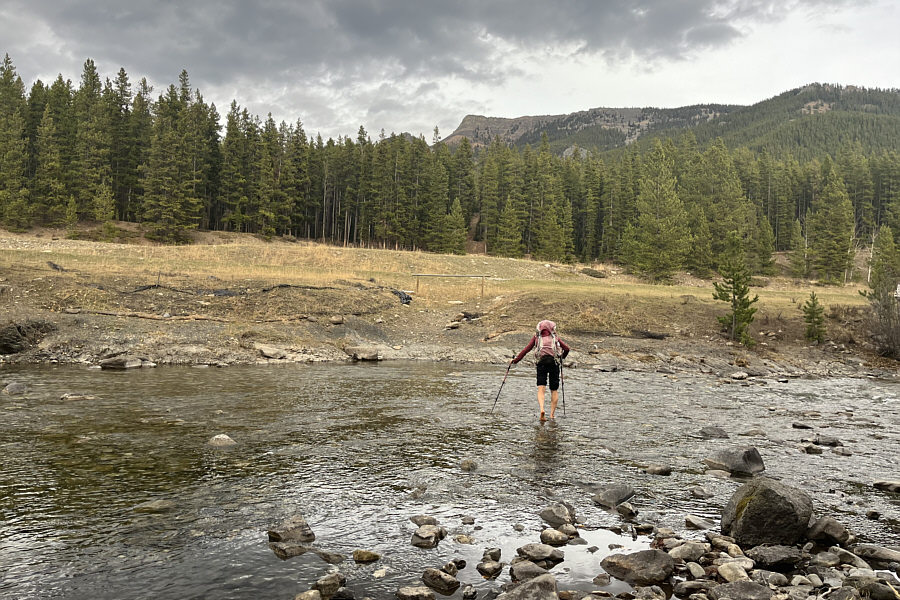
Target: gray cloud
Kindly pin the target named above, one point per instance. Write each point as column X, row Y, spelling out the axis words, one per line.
column 327, row 58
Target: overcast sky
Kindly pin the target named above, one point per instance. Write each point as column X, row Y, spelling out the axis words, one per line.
column 408, row 65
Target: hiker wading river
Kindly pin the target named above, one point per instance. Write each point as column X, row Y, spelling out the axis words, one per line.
column 549, row 352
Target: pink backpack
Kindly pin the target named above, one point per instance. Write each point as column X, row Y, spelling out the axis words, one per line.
column 546, row 342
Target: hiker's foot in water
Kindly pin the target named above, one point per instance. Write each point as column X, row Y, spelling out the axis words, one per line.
column 543, row 418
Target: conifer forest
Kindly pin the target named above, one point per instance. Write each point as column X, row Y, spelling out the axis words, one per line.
column 107, row 150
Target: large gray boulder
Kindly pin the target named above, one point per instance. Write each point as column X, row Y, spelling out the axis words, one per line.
column 775, row 558
column 647, row 567
column 829, row 530
column 14, row 388
column 871, row 552
column 329, row 584
column 542, row 587
column 295, row 529
column 765, row 511
column 428, row 536
column 743, row 460
column 438, row 580
column 558, row 514
column 524, row 570
column 743, row 590
column 541, row 554
column 411, row 592
column 613, row 495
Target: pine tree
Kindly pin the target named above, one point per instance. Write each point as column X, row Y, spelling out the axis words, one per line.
column 831, row 230
column 884, row 266
column 657, row 244
column 455, row 230
column 92, row 140
column 509, row 234
column 798, row 256
column 813, row 316
column 735, row 289
column 15, row 211
column 48, row 184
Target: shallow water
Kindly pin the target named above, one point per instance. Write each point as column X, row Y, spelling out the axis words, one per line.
column 359, row 449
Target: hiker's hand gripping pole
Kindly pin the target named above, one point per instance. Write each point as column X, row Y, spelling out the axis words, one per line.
column 501, row 386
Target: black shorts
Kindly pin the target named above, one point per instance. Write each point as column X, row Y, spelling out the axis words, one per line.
column 547, row 368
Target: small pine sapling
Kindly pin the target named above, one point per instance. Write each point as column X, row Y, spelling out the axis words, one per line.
column 814, row 317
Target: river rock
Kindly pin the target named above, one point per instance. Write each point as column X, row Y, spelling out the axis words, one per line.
column 428, row 536
column 364, row 353
column 491, row 554
column 888, row 486
column 613, row 495
column 568, row 529
column 827, row 440
column 415, row 593
column 469, row 593
column 118, row 363
column 272, row 352
column 732, row 572
column 221, row 441
column 647, row 567
column 684, row 589
column 694, row 522
column 695, row 570
column 825, row 559
column 743, row 460
column 742, row 590
column 829, row 530
column 332, row 558
column 701, row 492
column 467, row 520
column 873, row 553
column 542, row 587
column 765, row 511
column 462, row 538
column 295, row 529
column 439, row 581
column 525, row 570
column 777, row 557
column 154, row 507
column 664, row 470
column 689, row 551
column 365, row 556
column 769, row 578
column 74, row 396
column 653, row 592
column 489, row 568
column 286, row 550
column 336, row 319
column 420, row 520
column 848, row 558
column 712, row 432
column 558, row 514
column 14, row 388
column 541, row 554
column 626, row 510
column 309, row 595
column 468, row 465
column 329, row 584
column 553, row 537
column 450, row 569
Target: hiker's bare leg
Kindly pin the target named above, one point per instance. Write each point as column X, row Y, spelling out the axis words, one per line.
column 541, row 399
column 554, row 398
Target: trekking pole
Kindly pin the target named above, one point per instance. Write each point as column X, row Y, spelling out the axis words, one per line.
column 562, row 386
column 501, row 387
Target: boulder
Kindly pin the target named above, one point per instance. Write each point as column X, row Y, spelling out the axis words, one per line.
column 415, row 593
column 743, row 590
column 848, row 558
column 569, row 530
column 553, row 537
column 440, row 581
column 776, row 558
column 420, row 520
column 769, row 578
column 491, row 554
column 428, row 536
column 732, row 572
column 689, row 551
column 525, row 570
column 469, row 593
column 888, row 486
column 329, row 584
column 468, row 465
column 336, row 319
column 701, row 492
column 613, row 495
column 450, row 569
column 541, row 554
column 713, row 432
column 542, row 587
column 829, row 530
column 363, row 353
column 295, row 529
column 221, row 441
column 309, row 595
column 743, row 460
column 694, row 522
column 664, row 470
column 683, row 589
column 873, row 553
column 271, row 352
column 489, row 568
column 365, row 556
column 653, row 592
column 558, row 514
column 286, row 550
column 14, row 388
column 647, row 567
column 332, row 558
column 118, row 363
column 765, row 511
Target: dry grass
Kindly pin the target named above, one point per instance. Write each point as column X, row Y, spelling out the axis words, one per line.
column 616, row 303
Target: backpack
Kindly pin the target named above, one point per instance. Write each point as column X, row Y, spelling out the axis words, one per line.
column 546, row 345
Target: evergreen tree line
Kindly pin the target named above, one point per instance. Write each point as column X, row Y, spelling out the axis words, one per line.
column 108, row 150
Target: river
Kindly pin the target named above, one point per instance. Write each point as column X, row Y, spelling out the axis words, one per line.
column 358, row 449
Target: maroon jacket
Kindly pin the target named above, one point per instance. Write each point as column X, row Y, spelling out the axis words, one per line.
column 521, row 355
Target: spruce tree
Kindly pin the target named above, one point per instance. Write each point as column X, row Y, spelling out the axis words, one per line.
column 509, row 234
column 14, row 207
column 657, row 244
column 831, row 230
column 798, row 256
column 884, row 266
column 813, row 316
column 735, row 290
column 48, row 191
